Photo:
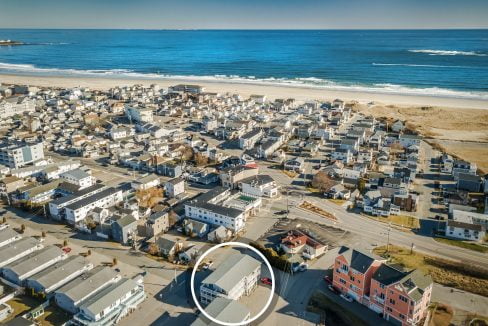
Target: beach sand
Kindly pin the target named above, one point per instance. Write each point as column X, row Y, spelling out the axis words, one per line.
column 272, row 91
column 451, row 120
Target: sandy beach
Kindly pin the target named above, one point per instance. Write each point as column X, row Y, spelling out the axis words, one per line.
column 272, row 91
column 449, row 121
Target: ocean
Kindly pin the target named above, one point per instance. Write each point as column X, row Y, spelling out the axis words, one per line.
column 422, row 62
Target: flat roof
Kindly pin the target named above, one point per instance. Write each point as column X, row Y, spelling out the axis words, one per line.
column 60, row 271
column 88, row 282
column 106, row 297
column 7, row 234
column 16, row 248
column 76, row 173
column 232, row 271
column 92, row 198
column 77, row 194
column 225, row 310
column 27, row 263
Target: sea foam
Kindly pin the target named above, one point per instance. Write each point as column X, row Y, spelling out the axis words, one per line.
column 304, row 82
column 449, row 52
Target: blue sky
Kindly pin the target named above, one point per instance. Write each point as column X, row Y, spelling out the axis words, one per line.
column 244, row 14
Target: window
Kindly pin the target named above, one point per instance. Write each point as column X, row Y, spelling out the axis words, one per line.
column 352, row 278
column 342, row 281
column 392, row 301
column 402, row 298
column 402, row 316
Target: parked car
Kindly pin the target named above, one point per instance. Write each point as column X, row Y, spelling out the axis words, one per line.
column 333, row 289
column 300, row 268
column 67, row 250
column 266, row 280
column 346, row 297
column 283, row 212
column 208, row 265
column 327, row 279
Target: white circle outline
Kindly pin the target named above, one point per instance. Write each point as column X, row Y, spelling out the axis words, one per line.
column 236, row 244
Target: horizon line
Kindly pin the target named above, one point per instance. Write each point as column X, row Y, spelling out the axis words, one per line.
column 247, row 29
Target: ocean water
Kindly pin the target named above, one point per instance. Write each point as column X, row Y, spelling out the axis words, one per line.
column 430, row 62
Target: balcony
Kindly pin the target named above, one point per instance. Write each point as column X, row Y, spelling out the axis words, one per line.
column 379, row 300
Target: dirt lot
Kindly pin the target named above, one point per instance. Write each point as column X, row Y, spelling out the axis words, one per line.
column 325, row 234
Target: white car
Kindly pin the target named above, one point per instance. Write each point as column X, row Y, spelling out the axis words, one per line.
column 302, row 267
column 346, row 297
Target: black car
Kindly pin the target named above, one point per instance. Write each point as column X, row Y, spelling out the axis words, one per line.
column 283, row 212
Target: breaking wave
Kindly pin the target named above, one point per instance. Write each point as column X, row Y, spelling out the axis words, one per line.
column 450, row 53
column 305, row 82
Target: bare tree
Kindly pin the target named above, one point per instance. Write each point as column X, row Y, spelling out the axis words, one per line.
column 200, row 159
column 153, row 249
column 322, row 181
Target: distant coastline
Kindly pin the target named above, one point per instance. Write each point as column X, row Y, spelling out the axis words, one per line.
column 10, row 42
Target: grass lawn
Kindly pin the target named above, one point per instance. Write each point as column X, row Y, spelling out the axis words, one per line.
column 443, row 271
column 21, row 305
column 313, row 190
column 335, row 314
column 53, row 316
column 463, row 244
column 339, row 202
column 291, row 174
column 410, row 222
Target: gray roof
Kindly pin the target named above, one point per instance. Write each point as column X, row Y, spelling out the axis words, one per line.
column 415, row 283
column 165, row 244
column 259, row 179
column 88, row 282
column 358, row 260
column 147, row 179
column 387, row 275
column 469, row 177
column 16, row 248
column 156, row 216
column 82, row 192
column 251, row 133
column 7, row 234
column 76, row 174
column 225, row 310
column 175, row 180
column 106, row 297
column 27, row 263
column 231, row 271
column 59, row 271
column 125, row 221
column 93, row 198
column 203, row 201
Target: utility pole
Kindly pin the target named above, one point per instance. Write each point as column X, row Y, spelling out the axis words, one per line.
column 411, row 248
column 388, row 239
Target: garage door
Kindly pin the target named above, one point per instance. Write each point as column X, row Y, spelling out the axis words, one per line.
column 394, row 321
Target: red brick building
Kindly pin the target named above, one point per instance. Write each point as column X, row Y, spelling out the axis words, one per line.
column 402, row 297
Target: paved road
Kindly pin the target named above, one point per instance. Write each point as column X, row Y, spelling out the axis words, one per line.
column 371, row 232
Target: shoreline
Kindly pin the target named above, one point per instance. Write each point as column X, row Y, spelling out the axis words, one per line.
column 271, row 90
